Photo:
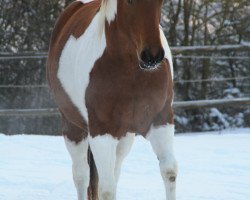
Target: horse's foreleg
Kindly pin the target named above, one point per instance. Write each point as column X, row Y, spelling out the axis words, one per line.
column 77, row 145
column 104, row 152
column 122, row 151
column 80, row 167
column 162, row 142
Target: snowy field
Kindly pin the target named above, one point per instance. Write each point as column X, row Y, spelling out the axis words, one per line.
column 212, row 166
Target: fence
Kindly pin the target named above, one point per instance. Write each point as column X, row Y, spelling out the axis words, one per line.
column 181, row 104
column 196, row 52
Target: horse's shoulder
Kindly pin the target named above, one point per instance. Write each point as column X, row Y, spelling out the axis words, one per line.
column 74, row 20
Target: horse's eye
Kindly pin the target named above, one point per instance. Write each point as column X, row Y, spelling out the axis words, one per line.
column 130, row 1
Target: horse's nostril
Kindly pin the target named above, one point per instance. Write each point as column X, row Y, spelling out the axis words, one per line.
column 146, row 56
column 150, row 59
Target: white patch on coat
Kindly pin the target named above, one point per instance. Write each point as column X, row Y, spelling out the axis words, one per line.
column 168, row 54
column 162, row 141
column 77, row 60
column 80, row 167
column 123, row 148
column 104, row 153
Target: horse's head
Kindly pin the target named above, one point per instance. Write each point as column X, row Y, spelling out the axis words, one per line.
column 139, row 20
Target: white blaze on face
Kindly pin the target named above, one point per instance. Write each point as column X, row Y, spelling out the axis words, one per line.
column 77, row 60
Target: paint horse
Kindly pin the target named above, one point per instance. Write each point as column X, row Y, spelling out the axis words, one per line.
column 110, row 70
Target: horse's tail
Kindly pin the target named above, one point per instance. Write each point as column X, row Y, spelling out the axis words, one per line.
column 93, row 183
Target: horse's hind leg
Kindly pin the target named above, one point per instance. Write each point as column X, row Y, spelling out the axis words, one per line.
column 77, row 145
column 162, row 142
column 104, row 152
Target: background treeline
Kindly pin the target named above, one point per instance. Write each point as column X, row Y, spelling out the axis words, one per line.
column 210, row 22
column 26, row 25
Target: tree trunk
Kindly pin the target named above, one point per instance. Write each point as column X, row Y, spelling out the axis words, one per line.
column 206, row 62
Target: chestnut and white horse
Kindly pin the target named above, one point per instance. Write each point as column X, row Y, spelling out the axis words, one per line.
column 110, row 70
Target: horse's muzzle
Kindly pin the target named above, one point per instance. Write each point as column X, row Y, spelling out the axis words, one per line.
column 148, row 60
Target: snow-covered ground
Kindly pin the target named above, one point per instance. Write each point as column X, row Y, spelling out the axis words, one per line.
column 212, row 166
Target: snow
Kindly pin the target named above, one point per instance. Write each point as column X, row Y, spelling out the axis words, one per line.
column 212, row 166
column 214, row 112
column 231, row 93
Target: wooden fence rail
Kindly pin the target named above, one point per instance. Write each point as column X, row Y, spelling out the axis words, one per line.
column 237, row 102
column 175, row 81
column 175, row 50
column 178, row 52
column 209, row 49
column 29, row 112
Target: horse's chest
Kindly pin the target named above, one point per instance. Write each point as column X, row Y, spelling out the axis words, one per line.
column 131, row 97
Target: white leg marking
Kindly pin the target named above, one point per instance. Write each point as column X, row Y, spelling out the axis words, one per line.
column 80, row 167
column 123, row 148
column 104, row 152
column 162, row 143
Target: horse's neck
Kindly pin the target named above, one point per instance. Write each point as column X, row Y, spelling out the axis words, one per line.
column 118, row 43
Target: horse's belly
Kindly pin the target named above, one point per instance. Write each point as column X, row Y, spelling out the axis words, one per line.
column 77, row 60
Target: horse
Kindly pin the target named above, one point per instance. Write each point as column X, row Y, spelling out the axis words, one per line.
column 110, row 70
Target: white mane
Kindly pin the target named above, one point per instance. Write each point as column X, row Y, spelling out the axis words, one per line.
column 109, row 8
column 86, row 1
